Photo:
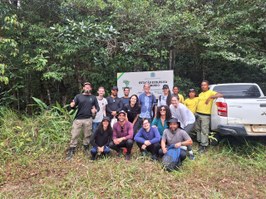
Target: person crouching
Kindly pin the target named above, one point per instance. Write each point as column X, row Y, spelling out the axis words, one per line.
column 101, row 138
column 148, row 139
column 176, row 137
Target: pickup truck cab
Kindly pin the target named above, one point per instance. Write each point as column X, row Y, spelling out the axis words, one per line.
column 240, row 112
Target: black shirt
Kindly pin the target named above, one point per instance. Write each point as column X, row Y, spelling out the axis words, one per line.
column 114, row 104
column 85, row 104
column 101, row 138
column 132, row 112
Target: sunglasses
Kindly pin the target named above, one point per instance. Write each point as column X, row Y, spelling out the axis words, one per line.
column 163, row 109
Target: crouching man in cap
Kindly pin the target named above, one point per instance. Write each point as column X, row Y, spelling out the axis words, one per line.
column 122, row 135
column 175, row 136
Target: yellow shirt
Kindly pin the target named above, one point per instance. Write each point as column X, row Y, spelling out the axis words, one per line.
column 181, row 98
column 202, row 107
column 191, row 104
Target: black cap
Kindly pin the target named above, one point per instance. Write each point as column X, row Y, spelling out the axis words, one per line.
column 122, row 112
column 115, row 88
column 165, row 86
column 174, row 120
column 106, row 118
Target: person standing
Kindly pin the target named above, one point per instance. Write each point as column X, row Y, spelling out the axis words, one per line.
column 147, row 102
column 177, row 94
column 122, row 135
column 87, row 105
column 192, row 102
column 175, row 136
column 114, row 103
column 203, row 114
column 148, row 139
column 101, row 138
column 102, row 112
column 185, row 117
column 125, row 98
column 165, row 98
column 162, row 117
column 133, row 110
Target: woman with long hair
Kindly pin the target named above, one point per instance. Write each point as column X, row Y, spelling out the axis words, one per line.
column 101, row 138
column 162, row 117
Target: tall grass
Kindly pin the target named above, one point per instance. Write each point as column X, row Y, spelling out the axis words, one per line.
column 46, row 130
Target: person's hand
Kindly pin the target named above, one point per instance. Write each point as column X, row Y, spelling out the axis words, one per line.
column 177, row 145
column 164, row 150
column 93, row 110
column 101, row 149
column 208, row 100
column 143, row 147
column 116, row 141
column 147, row 143
column 72, row 104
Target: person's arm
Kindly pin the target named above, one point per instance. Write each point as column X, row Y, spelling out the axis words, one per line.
column 214, row 96
column 120, row 105
column 163, row 146
column 154, row 122
column 104, row 108
column 130, row 131
column 187, row 140
column 114, row 132
column 139, row 137
column 96, row 104
column 157, row 136
column 74, row 102
column 108, row 109
column 92, row 139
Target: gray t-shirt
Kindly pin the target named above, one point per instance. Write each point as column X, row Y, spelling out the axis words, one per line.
column 178, row 136
column 183, row 114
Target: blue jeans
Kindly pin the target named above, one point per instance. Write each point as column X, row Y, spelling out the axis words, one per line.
column 95, row 126
column 106, row 150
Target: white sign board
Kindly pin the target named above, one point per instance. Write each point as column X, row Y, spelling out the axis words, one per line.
column 136, row 80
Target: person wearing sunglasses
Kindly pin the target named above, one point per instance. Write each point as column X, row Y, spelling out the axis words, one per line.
column 122, row 135
column 161, row 119
column 148, row 139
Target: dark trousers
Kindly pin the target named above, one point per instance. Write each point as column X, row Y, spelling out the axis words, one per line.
column 183, row 154
column 153, row 148
column 128, row 144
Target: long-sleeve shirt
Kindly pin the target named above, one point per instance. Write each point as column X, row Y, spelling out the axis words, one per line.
column 85, row 104
column 183, row 114
column 101, row 138
column 152, row 135
column 123, row 131
column 113, row 104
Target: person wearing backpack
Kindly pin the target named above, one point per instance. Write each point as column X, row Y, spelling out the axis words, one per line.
column 174, row 143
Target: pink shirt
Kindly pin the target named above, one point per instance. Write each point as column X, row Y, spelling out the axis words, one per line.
column 125, row 131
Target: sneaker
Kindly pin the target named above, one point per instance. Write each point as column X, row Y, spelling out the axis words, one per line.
column 191, row 157
column 70, row 153
column 93, row 157
column 154, row 157
column 128, row 157
column 144, row 153
column 119, row 153
column 202, row 149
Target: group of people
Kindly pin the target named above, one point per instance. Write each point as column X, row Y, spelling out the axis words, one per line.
column 115, row 123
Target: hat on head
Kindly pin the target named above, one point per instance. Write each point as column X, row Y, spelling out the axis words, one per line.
column 86, row 83
column 122, row 112
column 106, row 118
column 165, row 86
column 174, row 120
column 115, row 88
column 192, row 90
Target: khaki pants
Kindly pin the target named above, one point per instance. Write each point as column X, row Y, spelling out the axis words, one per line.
column 202, row 129
column 78, row 125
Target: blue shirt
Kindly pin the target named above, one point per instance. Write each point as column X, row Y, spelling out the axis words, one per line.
column 152, row 135
column 158, row 122
column 146, row 103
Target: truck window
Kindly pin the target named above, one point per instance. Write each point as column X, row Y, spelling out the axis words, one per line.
column 238, row 91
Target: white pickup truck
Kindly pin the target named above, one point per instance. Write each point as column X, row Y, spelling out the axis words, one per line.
column 241, row 111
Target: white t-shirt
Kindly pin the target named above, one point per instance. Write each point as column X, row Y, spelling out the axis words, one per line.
column 183, row 114
column 102, row 104
column 162, row 100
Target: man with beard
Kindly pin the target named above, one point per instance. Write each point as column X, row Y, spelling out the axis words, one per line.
column 114, row 103
column 175, row 136
column 122, row 135
column 125, row 98
column 87, row 105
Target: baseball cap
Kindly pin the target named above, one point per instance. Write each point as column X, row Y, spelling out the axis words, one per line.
column 165, row 86
column 115, row 88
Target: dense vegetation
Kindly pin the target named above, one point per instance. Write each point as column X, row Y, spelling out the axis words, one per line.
column 47, row 48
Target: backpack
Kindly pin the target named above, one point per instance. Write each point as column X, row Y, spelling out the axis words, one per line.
column 170, row 160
